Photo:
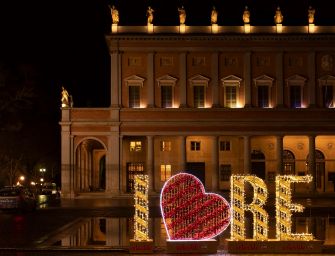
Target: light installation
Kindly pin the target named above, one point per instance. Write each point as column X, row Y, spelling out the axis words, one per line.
column 260, row 216
column 189, row 213
column 285, row 207
column 141, row 218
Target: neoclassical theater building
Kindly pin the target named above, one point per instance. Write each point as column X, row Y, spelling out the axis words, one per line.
column 209, row 100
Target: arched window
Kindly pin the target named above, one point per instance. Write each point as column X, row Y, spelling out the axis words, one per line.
column 320, row 169
column 258, row 163
column 288, row 162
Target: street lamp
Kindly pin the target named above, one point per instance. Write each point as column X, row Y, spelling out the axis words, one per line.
column 42, row 171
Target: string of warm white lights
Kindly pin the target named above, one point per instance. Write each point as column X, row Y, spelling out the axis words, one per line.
column 141, row 218
column 285, row 207
column 260, row 216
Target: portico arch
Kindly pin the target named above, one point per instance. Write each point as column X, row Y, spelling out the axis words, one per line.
column 90, row 165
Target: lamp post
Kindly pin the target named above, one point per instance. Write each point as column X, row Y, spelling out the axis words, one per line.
column 42, row 171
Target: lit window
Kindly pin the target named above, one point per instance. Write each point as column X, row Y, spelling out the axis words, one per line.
column 230, row 96
column 231, row 86
column 224, row 145
column 165, row 172
column 225, row 172
column 199, row 84
column 166, row 84
column 132, row 170
column 135, row 146
column 199, row 96
column 134, row 96
column 166, row 96
column 165, row 145
column 195, row 145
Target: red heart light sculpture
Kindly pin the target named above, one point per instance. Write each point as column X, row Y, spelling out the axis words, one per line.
column 189, row 213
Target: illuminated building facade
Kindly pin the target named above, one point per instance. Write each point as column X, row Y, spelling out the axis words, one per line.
column 211, row 102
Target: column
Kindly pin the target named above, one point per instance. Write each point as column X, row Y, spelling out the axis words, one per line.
column 280, row 78
column 215, row 163
column 150, row 162
column 113, row 164
column 113, row 232
column 311, row 161
column 279, row 152
column 66, row 155
column 311, row 80
column 247, row 79
column 150, row 81
column 183, row 157
column 246, row 154
column 115, row 70
column 183, row 80
column 215, row 80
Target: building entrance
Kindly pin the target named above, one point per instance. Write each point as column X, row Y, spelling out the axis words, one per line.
column 197, row 169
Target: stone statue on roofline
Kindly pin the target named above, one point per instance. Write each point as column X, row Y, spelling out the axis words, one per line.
column 150, row 15
column 311, row 13
column 246, row 15
column 182, row 15
column 278, row 16
column 115, row 15
column 214, row 16
column 65, row 100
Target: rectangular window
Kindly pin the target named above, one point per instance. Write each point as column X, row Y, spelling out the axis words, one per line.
column 295, row 96
column 199, row 96
column 230, row 96
column 165, row 145
column 195, row 145
column 165, row 172
column 327, row 96
column 263, row 96
column 224, row 145
column 134, row 96
column 225, row 172
column 166, row 96
column 135, row 146
column 132, row 170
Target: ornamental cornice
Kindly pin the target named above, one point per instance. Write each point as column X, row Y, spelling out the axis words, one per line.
column 227, row 37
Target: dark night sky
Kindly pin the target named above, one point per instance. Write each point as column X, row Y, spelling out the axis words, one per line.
column 63, row 40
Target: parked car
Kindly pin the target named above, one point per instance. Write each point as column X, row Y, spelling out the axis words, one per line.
column 17, row 198
column 49, row 189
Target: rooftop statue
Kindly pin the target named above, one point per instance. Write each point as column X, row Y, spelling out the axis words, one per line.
column 182, row 15
column 150, row 15
column 214, row 16
column 115, row 15
column 311, row 12
column 246, row 15
column 278, row 16
column 65, row 98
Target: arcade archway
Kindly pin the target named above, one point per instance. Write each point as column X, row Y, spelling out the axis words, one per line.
column 90, row 168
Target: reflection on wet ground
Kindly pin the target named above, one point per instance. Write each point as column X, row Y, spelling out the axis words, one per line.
column 115, row 233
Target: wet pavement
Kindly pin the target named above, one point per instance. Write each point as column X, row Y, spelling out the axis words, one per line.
column 25, row 234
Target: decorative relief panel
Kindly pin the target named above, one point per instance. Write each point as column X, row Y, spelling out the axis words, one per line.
column 295, row 61
column 327, row 62
column 230, row 61
column 166, row 61
column 198, row 61
column 262, row 61
column 134, row 61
